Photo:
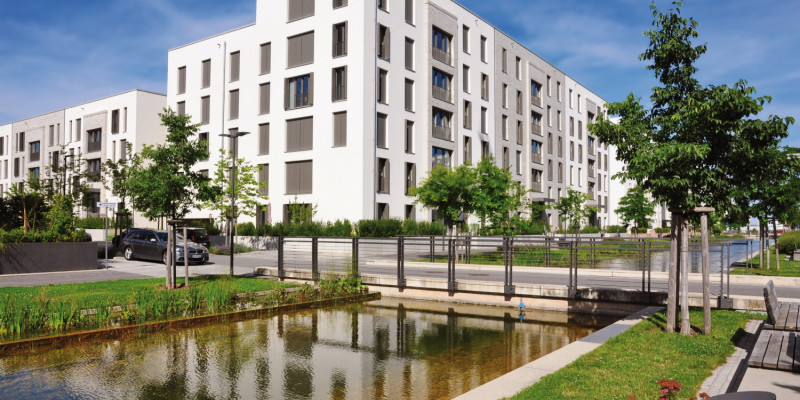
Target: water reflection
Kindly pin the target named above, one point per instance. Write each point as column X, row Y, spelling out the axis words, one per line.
column 383, row 349
column 658, row 257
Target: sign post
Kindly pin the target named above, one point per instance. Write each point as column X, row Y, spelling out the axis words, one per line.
column 106, row 206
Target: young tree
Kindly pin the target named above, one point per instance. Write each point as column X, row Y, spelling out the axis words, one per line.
column 117, row 176
column 250, row 193
column 688, row 149
column 635, row 207
column 497, row 196
column 449, row 191
column 573, row 209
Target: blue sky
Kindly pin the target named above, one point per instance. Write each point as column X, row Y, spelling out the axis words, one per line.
column 57, row 53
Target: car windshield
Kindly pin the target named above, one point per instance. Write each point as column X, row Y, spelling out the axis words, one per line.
column 162, row 236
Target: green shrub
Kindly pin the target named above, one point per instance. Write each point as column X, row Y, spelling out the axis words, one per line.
column 246, row 229
column 206, row 224
column 788, row 242
column 94, row 223
column 639, row 230
column 18, row 236
column 380, row 227
column 662, row 230
column 616, row 229
column 590, row 229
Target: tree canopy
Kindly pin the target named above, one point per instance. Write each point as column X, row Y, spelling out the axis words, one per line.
column 248, row 189
column 573, row 209
column 635, row 208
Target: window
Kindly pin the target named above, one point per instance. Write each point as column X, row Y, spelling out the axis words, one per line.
column 339, row 89
column 560, row 173
column 93, row 169
column 505, row 96
column 95, row 137
column 441, row 45
column 206, row 75
column 384, row 37
column 383, row 176
column 124, row 119
column 21, row 141
column 441, row 86
column 181, row 108
column 263, row 98
column 440, row 157
column 579, row 103
column 571, row 173
column 339, row 3
column 549, row 143
column 519, row 68
column 382, row 140
column 560, row 148
column 572, row 126
column 483, row 48
column 549, row 116
column 484, row 149
column 299, row 177
column 572, row 151
column 300, row 9
column 383, row 5
column 382, row 210
column 558, row 91
column 580, row 129
column 300, row 134
column 549, row 171
column 202, row 137
column 114, row 124
column 234, row 66
column 519, row 102
column 410, row 11
column 558, row 119
column 411, row 177
column 409, row 95
column 536, row 180
column 123, row 150
column 205, row 109
column 299, row 92
column 182, row 80
column 233, row 104
column 467, row 114
column 570, row 98
column 519, row 132
column 441, row 124
column 265, row 56
column 263, row 139
column 484, row 121
column 340, row 39
column 467, row 150
column 549, row 86
column 16, row 167
column 536, row 151
column 409, row 54
column 411, row 215
column 484, row 87
column 301, row 49
column 580, row 153
column 505, row 127
column 504, row 61
column 465, row 38
column 52, row 131
column 536, row 93
column 34, row 151
column 506, row 158
column 382, row 77
column 518, row 160
column 340, row 129
column 465, row 78
column 263, row 179
column 409, row 137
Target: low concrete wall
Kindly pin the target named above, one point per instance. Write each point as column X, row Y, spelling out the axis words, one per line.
column 254, row 242
column 21, row 258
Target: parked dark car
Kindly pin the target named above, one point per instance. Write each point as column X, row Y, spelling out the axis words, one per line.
column 199, row 235
column 151, row 244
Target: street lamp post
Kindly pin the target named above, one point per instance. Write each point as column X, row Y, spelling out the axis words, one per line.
column 234, row 135
column 64, row 181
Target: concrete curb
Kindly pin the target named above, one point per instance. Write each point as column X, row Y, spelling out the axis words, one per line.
column 525, row 376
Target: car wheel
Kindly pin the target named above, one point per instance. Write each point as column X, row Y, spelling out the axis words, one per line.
column 128, row 253
column 164, row 257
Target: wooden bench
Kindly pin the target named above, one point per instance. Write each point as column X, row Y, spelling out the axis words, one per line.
column 776, row 350
column 780, row 316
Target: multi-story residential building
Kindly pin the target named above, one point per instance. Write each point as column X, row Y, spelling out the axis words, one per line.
column 351, row 103
column 92, row 132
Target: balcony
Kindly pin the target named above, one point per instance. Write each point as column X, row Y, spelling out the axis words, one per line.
column 34, row 156
column 441, row 55
column 442, row 93
column 537, row 187
column 442, row 132
column 591, row 172
column 94, row 146
column 537, row 101
column 536, row 129
column 537, row 158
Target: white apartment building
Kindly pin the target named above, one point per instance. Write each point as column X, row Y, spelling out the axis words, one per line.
column 92, row 132
column 349, row 103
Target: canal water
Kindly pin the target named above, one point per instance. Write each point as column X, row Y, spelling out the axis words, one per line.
column 719, row 256
column 386, row 349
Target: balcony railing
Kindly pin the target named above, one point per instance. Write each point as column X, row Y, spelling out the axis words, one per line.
column 34, row 156
column 537, row 186
column 442, row 93
column 536, row 129
column 592, row 150
column 537, row 101
column 442, row 132
column 94, row 146
column 441, row 55
column 537, row 158
column 591, row 172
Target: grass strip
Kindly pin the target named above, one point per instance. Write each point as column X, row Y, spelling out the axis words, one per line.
column 788, row 268
column 633, row 362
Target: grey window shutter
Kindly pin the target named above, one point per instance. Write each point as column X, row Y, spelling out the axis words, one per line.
column 264, row 98
column 266, row 58
column 234, row 66
column 307, row 126
column 263, row 139
column 206, row 109
column 307, row 48
column 409, row 94
column 295, row 9
column 306, row 177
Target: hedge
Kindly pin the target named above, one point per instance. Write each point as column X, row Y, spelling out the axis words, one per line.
column 788, row 242
column 344, row 228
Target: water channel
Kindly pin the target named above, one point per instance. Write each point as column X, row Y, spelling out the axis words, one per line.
column 719, row 255
column 385, row 349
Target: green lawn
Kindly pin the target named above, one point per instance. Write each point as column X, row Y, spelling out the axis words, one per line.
column 633, row 362
column 788, row 268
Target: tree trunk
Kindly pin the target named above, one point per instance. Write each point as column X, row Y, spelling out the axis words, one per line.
column 766, row 244
column 686, row 327
column 185, row 257
column 674, row 267
column 775, row 235
column 706, row 280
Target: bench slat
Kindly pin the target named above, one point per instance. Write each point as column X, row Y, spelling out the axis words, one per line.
column 786, row 355
column 773, row 351
column 783, row 316
column 791, row 320
column 796, row 367
column 760, row 348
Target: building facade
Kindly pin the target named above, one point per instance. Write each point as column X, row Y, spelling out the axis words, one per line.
column 348, row 104
column 93, row 133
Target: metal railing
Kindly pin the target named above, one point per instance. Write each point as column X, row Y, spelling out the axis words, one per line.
column 536, row 129
column 441, row 93
column 94, row 146
column 537, row 101
column 441, row 55
column 442, row 132
column 537, row 158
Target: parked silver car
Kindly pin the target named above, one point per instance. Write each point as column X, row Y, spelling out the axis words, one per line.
column 151, row 244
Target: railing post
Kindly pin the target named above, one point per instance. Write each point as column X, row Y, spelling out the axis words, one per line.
column 469, row 247
column 281, row 266
column 315, row 258
column 571, row 288
column 354, row 257
column 452, row 286
column 401, row 263
column 641, row 261
column 508, row 256
column 433, row 244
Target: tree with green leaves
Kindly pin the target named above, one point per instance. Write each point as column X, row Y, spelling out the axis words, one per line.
column 497, row 196
column 165, row 185
column 117, row 176
column 250, row 193
column 573, row 209
column 695, row 143
column 635, row 207
column 449, row 191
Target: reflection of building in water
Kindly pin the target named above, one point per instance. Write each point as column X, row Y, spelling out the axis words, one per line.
column 387, row 350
